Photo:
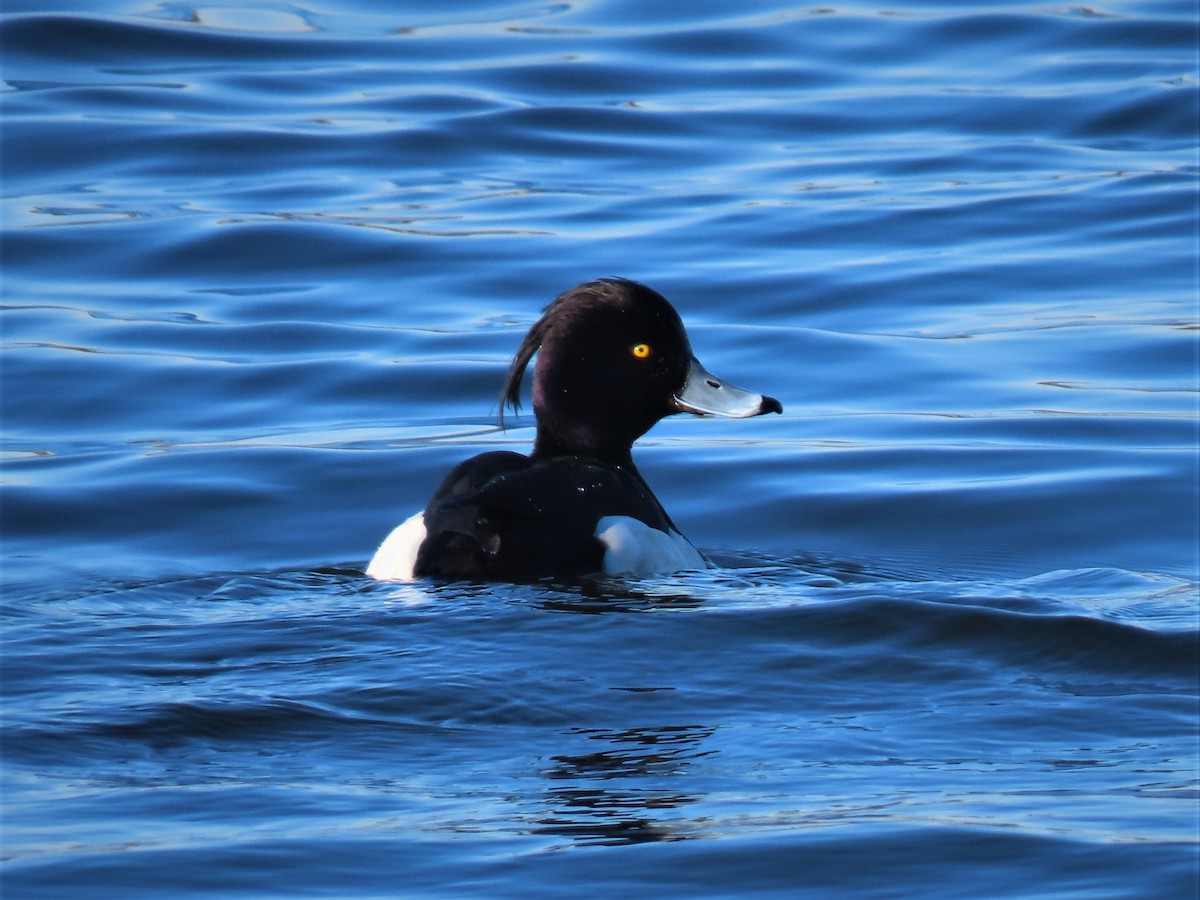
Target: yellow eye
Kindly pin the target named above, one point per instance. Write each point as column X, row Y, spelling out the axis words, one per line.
column 641, row 351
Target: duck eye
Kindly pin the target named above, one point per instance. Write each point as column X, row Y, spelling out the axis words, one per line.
column 641, row 351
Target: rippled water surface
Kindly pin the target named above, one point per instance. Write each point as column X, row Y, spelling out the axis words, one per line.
column 264, row 266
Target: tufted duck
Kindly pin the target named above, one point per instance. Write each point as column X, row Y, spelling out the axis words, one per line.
column 613, row 359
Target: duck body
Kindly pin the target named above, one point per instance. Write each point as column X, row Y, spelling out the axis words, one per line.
column 507, row 517
column 613, row 359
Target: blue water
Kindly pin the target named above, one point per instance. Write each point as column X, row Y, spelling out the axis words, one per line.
column 264, row 266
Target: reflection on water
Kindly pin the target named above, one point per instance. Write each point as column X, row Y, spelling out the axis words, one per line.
column 590, row 811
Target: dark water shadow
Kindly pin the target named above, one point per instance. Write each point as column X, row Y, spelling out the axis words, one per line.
column 618, row 792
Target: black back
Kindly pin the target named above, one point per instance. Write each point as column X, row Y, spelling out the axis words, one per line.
column 501, row 515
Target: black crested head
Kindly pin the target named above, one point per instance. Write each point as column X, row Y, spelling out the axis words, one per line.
column 612, row 359
column 613, row 353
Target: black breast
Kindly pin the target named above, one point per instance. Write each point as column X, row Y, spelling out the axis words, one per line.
column 502, row 515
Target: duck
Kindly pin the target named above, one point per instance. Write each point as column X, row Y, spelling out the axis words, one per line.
column 613, row 359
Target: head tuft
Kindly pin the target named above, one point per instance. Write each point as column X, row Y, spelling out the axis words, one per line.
column 567, row 306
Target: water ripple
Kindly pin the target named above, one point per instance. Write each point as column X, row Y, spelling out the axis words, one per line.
column 265, row 267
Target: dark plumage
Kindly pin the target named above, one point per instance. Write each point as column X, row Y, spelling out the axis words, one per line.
column 612, row 359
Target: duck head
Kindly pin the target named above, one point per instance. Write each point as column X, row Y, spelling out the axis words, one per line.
column 613, row 359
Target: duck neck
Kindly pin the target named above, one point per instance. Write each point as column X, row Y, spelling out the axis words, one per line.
column 549, row 444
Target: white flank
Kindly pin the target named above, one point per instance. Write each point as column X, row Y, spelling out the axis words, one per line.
column 397, row 555
column 634, row 548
